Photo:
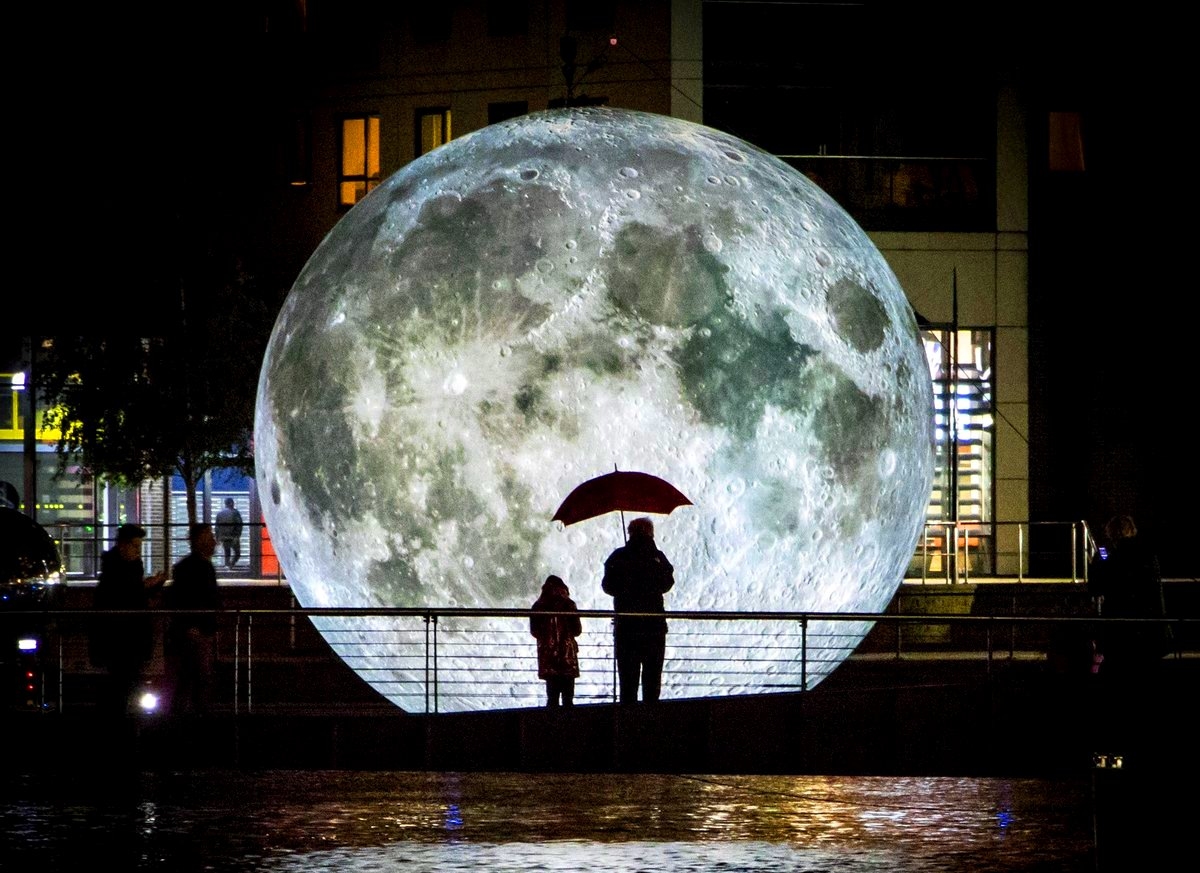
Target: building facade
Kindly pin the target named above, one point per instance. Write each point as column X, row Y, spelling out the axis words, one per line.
column 934, row 163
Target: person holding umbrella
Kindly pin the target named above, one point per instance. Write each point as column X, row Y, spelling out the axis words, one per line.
column 636, row 576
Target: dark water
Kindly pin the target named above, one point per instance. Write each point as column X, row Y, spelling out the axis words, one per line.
column 416, row 821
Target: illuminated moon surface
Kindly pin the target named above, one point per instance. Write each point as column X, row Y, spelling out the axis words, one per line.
column 547, row 299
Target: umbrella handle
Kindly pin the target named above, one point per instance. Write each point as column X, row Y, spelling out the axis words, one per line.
column 623, row 531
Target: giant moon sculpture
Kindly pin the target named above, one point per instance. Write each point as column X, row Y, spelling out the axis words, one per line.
column 556, row 296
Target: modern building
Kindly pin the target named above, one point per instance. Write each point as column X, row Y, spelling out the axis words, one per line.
column 935, row 148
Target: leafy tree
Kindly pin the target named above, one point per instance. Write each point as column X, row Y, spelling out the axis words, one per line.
column 137, row 408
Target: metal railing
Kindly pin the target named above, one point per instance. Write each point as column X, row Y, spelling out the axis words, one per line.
column 440, row 660
column 81, row 546
column 947, row 552
column 958, row 552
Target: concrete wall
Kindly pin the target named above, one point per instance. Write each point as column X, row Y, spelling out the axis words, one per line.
column 989, row 272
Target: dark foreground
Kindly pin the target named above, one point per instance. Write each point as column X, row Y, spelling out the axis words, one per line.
column 888, row 717
column 449, row 821
column 943, row 747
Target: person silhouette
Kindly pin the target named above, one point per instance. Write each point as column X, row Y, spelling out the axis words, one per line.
column 1127, row 584
column 122, row 645
column 1133, row 638
column 637, row 575
column 557, row 651
column 191, row 638
column 229, row 532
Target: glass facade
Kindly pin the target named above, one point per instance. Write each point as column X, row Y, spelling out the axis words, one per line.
column 959, row 535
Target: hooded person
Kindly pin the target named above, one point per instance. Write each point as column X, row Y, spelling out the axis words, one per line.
column 555, row 628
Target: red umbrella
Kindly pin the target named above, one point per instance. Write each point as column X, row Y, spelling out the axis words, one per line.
column 620, row 491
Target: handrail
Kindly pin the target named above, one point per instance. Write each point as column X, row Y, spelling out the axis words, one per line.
column 947, row 551
column 968, row 550
column 709, row 651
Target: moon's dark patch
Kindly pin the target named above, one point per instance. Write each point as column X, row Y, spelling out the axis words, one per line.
column 860, row 318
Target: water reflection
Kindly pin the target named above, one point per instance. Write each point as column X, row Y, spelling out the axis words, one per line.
column 436, row 821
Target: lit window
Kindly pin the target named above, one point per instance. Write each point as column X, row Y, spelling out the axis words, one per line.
column 360, row 158
column 432, row 128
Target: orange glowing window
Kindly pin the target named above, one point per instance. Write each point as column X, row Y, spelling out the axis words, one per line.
column 360, row 158
column 432, row 129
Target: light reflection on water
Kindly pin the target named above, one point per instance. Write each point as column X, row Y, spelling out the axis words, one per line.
column 353, row 821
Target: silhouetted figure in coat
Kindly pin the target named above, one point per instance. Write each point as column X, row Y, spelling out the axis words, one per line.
column 1126, row 583
column 190, row 641
column 122, row 645
column 557, row 650
column 637, row 575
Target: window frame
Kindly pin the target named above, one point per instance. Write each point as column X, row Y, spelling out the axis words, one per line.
column 419, row 115
column 372, row 126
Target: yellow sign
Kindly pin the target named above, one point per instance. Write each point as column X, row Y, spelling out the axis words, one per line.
column 11, row 423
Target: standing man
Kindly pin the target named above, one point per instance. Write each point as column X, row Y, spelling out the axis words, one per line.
column 1127, row 583
column 637, row 575
column 229, row 532
column 122, row 645
column 191, row 638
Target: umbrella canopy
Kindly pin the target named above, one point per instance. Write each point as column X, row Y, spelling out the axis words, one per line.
column 621, row 490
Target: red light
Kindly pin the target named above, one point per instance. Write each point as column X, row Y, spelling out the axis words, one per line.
column 612, row 40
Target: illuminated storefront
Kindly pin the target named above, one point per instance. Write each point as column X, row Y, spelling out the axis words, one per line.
column 959, row 534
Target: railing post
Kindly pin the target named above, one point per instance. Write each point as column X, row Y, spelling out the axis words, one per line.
column 426, row 616
column 1087, row 550
column 613, row 622
column 951, row 552
column 966, row 568
column 924, row 552
column 1074, row 553
column 249, row 663
column 431, row 670
column 1020, row 552
column 804, row 653
column 237, row 659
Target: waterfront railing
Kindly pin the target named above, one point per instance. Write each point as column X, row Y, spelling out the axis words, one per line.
column 947, row 551
column 454, row 659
